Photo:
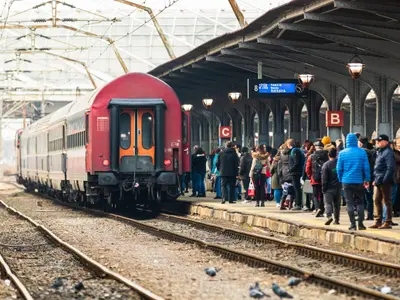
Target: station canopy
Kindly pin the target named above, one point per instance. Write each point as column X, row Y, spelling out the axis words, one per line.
column 54, row 50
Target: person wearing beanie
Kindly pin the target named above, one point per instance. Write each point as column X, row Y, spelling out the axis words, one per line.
column 326, row 140
column 384, row 172
column 331, row 187
column 353, row 172
column 314, row 172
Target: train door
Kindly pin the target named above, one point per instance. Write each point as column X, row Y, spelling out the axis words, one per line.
column 136, row 144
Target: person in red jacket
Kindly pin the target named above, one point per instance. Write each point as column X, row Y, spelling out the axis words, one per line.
column 314, row 172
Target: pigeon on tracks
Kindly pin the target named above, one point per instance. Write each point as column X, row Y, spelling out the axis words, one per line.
column 212, row 271
column 79, row 286
column 256, row 292
column 281, row 293
column 59, row 282
column 293, row 281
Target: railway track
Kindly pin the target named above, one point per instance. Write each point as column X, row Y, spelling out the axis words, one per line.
column 42, row 266
column 351, row 262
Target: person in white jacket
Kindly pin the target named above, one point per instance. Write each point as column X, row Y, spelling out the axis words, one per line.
column 259, row 167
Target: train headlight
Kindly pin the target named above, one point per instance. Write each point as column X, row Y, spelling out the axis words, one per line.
column 106, row 162
column 167, row 162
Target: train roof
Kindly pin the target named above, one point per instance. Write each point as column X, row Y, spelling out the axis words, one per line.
column 82, row 103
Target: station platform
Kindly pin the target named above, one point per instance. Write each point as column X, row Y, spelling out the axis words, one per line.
column 301, row 224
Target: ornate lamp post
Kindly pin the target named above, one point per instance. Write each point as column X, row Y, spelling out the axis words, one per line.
column 207, row 102
column 187, row 107
column 235, row 96
column 306, row 78
column 355, row 67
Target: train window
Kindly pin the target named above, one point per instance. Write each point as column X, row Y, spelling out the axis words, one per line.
column 185, row 129
column 63, row 138
column 87, row 129
column 147, row 131
column 125, row 131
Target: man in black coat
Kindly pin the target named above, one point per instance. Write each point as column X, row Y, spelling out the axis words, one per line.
column 244, row 169
column 228, row 166
column 331, row 187
column 383, row 181
column 296, row 167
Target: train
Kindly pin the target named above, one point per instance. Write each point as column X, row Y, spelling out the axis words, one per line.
column 125, row 144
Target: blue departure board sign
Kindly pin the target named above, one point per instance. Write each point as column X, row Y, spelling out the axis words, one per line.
column 275, row 88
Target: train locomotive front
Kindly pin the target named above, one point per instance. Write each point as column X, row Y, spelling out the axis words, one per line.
column 123, row 145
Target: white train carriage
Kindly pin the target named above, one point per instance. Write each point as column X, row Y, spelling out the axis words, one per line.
column 57, row 129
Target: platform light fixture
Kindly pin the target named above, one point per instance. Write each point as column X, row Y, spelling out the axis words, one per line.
column 207, row 102
column 235, row 96
column 187, row 107
column 355, row 67
column 306, row 78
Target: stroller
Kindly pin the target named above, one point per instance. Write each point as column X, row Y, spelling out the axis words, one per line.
column 288, row 196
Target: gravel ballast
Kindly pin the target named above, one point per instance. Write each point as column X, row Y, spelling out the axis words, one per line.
column 278, row 253
column 47, row 271
column 169, row 269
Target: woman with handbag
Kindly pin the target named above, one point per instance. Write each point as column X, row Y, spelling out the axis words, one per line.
column 259, row 168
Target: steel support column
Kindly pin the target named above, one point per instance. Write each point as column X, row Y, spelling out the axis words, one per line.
column 357, row 92
column 294, row 130
column 263, row 119
column 279, row 114
column 384, row 90
column 335, row 100
column 248, row 127
column 237, row 130
column 313, row 103
column 206, row 137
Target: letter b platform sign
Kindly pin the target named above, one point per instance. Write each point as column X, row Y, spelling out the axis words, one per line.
column 334, row 118
column 225, row 132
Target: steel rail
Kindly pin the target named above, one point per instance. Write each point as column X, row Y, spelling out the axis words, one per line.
column 15, row 280
column 367, row 264
column 256, row 261
column 249, row 259
column 98, row 268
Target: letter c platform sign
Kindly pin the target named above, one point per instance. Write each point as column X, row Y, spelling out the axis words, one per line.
column 334, row 118
column 225, row 132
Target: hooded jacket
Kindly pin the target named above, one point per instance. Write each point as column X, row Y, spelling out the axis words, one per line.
column 296, row 162
column 353, row 165
column 283, row 166
column 214, row 169
column 263, row 158
column 329, row 176
column 228, row 163
column 245, row 165
column 322, row 156
column 275, row 184
column 384, row 166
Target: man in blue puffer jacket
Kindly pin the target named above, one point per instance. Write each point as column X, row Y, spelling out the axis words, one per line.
column 353, row 170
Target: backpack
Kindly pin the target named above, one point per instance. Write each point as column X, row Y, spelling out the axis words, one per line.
column 258, row 168
column 317, row 163
column 302, row 158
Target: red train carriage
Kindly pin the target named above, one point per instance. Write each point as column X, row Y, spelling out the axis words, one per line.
column 122, row 144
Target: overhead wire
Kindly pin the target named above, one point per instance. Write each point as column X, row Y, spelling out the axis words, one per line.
column 124, row 36
column 171, row 3
column 7, row 15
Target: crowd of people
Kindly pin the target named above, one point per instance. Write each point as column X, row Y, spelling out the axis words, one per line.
column 360, row 174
